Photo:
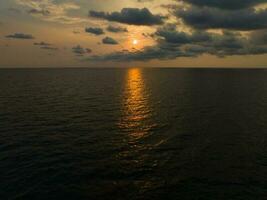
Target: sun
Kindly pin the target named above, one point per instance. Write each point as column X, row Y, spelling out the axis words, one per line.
column 135, row 42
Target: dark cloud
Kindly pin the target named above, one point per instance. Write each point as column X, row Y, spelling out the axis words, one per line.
column 213, row 18
column 109, row 40
column 225, row 44
column 41, row 44
column 80, row 51
column 226, row 4
column 20, row 36
column 170, row 35
column 146, row 54
column 116, row 29
column 133, row 16
column 49, row 48
column 95, row 31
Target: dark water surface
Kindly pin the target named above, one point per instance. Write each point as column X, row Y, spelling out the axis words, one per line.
column 133, row 134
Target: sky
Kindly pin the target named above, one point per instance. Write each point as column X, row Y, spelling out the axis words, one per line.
column 133, row 33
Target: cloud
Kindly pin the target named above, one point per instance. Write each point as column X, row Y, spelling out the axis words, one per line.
column 95, row 31
column 45, row 46
column 20, row 36
column 41, row 44
column 49, row 48
column 214, row 18
column 132, row 16
column 80, row 51
column 116, row 29
column 39, row 12
column 109, row 40
column 226, row 4
column 171, row 35
column 148, row 53
column 49, row 10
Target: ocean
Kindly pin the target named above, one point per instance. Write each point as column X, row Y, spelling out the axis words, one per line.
column 135, row 133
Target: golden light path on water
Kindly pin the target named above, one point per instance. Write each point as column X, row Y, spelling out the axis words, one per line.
column 136, row 119
column 138, row 125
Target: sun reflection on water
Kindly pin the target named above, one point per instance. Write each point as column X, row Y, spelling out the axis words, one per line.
column 136, row 109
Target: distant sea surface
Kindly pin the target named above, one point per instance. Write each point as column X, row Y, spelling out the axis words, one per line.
column 133, row 134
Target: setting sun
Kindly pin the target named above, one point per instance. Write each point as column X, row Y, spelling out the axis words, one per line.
column 135, row 42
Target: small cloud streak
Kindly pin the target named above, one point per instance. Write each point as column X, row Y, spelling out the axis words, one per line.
column 116, row 29
column 95, row 31
column 49, row 48
column 80, row 51
column 109, row 40
column 42, row 44
column 20, row 36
